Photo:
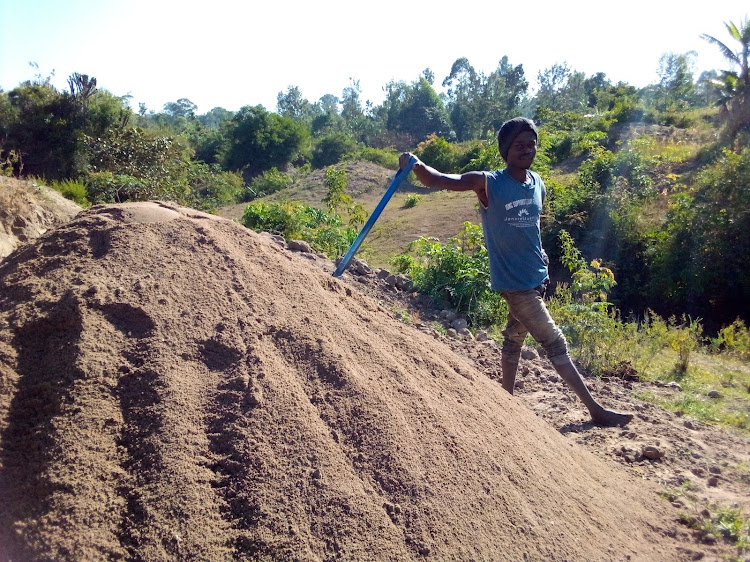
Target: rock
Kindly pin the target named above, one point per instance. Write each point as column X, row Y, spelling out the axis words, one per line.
column 299, row 246
column 316, row 474
column 714, row 470
column 459, row 324
column 403, row 282
column 448, row 315
column 278, row 239
column 451, row 333
column 712, row 481
column 360, row 266
column 382, row 273
column 688, row 424
column 673, row 385
column 465, row 333
column 482, row 335
column 714, row 394
column 529, row 353
column 652, row 453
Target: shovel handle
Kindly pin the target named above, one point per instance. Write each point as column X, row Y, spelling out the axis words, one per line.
column 400, row 175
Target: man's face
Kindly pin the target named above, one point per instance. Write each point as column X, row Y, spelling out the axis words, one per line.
column 522, row 150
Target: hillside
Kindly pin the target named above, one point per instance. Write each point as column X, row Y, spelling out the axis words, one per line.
column 439, row 213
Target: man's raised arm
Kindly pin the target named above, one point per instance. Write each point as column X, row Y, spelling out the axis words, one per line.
column 430, row 177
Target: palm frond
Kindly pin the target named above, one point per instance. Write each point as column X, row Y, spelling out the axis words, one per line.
column 725, row 51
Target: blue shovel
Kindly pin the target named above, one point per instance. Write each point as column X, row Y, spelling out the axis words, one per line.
column 400, row 175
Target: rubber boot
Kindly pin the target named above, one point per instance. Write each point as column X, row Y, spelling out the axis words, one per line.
column 509, row 374
column 599, row 414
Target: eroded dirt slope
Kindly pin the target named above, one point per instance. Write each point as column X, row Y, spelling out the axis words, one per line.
column 28, row 210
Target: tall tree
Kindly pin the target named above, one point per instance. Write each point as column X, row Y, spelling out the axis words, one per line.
column 352, row 111
column 416, row 111
column 259, row 140
column 214, row 118
column 734, row 84
column 478, row 103
column 292, row 104
column 676, row 80
column 463, row 91
column 593, row 85
column 183, row 107
column 43, row 132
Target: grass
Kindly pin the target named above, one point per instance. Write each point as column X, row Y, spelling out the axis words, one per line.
column 728, row 376
column 717, row 521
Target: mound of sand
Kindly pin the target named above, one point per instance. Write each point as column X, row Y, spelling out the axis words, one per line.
column 175, row 386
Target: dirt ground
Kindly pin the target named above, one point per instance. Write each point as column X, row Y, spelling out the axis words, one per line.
column 176, row 387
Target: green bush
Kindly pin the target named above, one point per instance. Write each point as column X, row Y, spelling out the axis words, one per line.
column 591, row 326
column 106, row 187
column 734, row 340
column 332, row 149
column 268, row 182
column 211, row 187
column 438, row 153
column 456, row 274
column 73, row 190
column 321, row 230
column 331, row 240
column 286, row 219
column 411, row 200
column 380, row 156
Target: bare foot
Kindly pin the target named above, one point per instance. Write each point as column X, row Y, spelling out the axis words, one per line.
column 611, row 418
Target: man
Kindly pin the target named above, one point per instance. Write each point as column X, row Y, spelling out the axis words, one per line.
column 511, row 204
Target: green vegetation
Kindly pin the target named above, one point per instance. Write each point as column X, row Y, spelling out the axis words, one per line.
column 716, row 521
column 71, row 189
column 455, row 273
column 411, row 200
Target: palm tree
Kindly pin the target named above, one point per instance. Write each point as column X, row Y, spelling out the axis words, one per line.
column 734, row 86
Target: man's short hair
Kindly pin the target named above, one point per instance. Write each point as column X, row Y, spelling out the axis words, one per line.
column 510, row 130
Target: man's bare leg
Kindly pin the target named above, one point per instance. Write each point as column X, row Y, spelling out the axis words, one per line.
column 509, row 374
column 599, row 414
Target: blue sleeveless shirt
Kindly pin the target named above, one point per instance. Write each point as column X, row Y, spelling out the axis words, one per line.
column 512, row 231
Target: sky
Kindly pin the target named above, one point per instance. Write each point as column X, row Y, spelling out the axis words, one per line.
column 230, row 53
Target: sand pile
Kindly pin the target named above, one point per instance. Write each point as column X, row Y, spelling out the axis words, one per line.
column 174, row 386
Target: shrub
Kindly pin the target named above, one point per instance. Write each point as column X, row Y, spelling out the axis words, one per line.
column 456, row 273
column 734, row 340
column 295, row 220
column 73, row 190
column 332, row 241
column 586, row 318
column 106, row 187
column 411, row 200
column 438, row 153
column 268, row 182
column 380, row 156
column 286, row 219
column 332, row 149
column 336, row 196
column 211, row 187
